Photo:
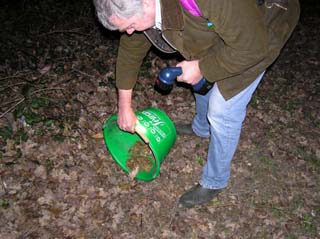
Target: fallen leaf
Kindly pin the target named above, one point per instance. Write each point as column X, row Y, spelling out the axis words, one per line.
column 97, row 136
column 45, row 69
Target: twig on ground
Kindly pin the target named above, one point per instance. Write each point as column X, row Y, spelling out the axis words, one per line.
column 11, row 108
column 4, row 185
column 13, row 85
column 23, row 99
column 9, row 103
column 47, row 89
column 83, row 73
column 16, row 75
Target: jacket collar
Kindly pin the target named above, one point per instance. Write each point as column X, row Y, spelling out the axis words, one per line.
column 171, row 13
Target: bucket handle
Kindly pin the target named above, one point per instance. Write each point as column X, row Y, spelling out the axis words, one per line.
column 140, row 130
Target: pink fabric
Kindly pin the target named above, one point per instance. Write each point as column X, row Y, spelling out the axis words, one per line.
column 191, row 7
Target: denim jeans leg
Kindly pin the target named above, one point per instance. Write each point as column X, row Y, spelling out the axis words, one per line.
column 225, row 118
column 200, row 123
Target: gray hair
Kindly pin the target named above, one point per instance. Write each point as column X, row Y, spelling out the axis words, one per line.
column 120, row 8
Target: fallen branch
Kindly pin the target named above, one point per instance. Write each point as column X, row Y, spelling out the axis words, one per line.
column 23, row 99
column 9, row 103
column 83, row 73
column 11, row 108
column 10, row 86
column 40, row 90
column 15, row 75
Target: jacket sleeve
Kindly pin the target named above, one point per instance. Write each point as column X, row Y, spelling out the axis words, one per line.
column 244, row 37
column 131, row 52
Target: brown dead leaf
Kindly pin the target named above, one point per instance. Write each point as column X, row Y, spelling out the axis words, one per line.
column 40, row 172
column 44, row 69
column 97, row 136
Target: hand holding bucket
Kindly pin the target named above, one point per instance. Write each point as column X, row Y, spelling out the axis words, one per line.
column 154, row 127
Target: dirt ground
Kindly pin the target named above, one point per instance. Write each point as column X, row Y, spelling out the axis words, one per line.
column 58, row 180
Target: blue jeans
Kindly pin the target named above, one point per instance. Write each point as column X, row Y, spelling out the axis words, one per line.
column 220, row 120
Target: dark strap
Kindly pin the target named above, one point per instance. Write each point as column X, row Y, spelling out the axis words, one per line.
column 155, row 36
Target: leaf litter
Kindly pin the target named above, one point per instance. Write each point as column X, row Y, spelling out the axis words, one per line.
column 141, row 156
column 57, row 88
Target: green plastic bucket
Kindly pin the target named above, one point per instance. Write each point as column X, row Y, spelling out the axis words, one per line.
column 156, row 126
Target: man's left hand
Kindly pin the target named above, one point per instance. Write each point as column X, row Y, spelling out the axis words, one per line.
column 190, row 72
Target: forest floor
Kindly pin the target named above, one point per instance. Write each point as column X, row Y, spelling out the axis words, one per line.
column 58, row 180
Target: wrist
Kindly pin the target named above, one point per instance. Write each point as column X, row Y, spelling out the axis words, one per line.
column 124, row 100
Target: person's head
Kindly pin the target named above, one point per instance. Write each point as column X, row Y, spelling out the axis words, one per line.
column 126, row 15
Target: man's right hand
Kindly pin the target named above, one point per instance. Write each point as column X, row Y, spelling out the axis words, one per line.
column 126, row 116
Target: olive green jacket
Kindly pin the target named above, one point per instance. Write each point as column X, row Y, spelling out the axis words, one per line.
column 244, row 40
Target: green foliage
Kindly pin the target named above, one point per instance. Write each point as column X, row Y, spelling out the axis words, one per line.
column 6, row 132
column 48, row 122
column 25, row 111
column 39, row 132
column 28, row 109
column 309, row 157
column 309, row 225
column 102, row 84
column 32, row 118
column 21, row 135
column 33, row 110
column 291, row 237
column 290, row 106
column 58, row 138
column 267, row 162
column 4, row 203
column 199, row 160
column 39, row 102
column 111, row 82
column 254, row 102
column 276, row 211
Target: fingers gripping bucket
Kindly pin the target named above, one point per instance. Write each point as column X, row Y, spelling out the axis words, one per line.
column 157, row 128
